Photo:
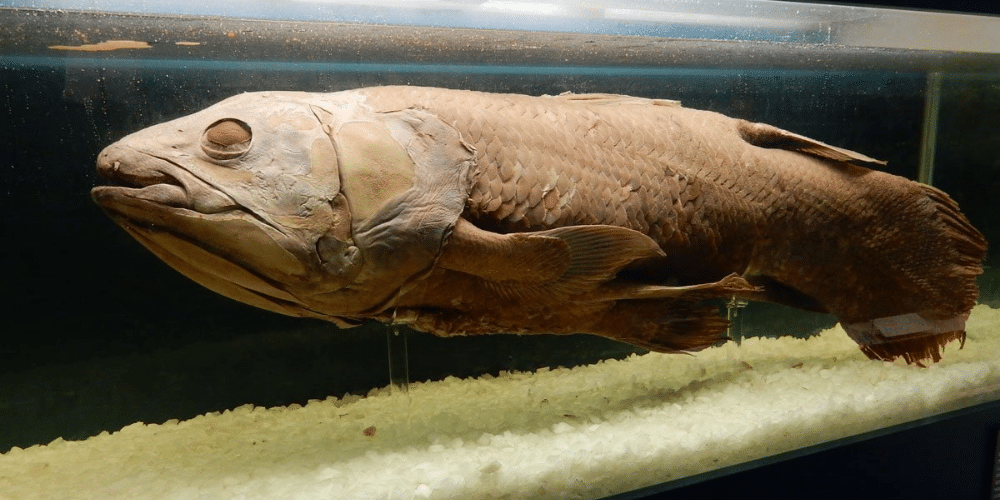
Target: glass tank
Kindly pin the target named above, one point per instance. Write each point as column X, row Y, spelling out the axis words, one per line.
column 122, row 378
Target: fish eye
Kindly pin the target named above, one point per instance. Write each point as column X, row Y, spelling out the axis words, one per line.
column 226, row 139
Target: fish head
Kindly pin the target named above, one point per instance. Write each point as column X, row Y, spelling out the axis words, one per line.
column 244, row 197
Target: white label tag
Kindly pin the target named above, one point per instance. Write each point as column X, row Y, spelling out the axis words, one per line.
column 906, row 324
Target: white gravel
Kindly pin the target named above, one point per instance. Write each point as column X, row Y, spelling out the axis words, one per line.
column 585, row 432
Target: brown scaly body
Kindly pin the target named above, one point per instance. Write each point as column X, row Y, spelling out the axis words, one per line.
column 801, row 219
column 469, row 213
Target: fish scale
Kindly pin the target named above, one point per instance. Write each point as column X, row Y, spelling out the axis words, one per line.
column 596, row 161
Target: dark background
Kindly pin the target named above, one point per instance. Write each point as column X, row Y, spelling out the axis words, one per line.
column 99, row 334
column 101, row 325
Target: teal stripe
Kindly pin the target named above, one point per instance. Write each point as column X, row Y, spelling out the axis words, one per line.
column 478, row 69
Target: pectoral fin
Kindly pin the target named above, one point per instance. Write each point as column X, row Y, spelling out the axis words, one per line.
column 597, row 253
column 565, row 261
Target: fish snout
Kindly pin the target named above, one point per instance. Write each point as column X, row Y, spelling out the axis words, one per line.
column 107, row 162
column 129, row 173
column 123, row 166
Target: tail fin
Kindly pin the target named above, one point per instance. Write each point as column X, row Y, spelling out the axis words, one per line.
column 947, row 288
column 969, row 244
column 909, row 336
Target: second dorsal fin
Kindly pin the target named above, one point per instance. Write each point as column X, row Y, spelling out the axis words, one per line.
column 768, row 136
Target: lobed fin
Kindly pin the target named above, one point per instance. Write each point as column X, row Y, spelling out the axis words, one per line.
column 919, row 337
column 519, row 257
column 734, row 284
column 563, row 261
column 769, row 136
column 914, row 349
column 969, row 244
column 909, row 336
column 597, row 253
column 665, row 325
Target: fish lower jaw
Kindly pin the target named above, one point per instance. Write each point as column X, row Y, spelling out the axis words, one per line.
column 170, row 195
column 164, row 195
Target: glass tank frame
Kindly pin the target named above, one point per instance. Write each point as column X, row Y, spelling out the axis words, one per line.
column 106, row 336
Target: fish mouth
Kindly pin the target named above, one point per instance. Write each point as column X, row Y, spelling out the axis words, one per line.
column 141, row 177
column 190, row 224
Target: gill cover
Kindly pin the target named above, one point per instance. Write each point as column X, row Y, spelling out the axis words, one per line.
column 304, row 204
column 404, row 179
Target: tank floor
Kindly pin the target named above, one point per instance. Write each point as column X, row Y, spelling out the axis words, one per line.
column 585, row 432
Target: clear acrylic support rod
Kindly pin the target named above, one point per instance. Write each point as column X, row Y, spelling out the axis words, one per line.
column 928, row 140
column 735, row 330
column 399, row 362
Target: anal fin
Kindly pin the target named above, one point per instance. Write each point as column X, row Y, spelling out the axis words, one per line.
column 665, row 325
column 669, row 318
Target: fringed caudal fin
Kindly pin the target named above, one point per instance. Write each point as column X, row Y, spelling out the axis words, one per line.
column 969, row 244
column 947, row 287
column 908, row 336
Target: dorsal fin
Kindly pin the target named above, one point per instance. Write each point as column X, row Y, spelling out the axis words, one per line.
column 609, row 99
column 768, row 136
